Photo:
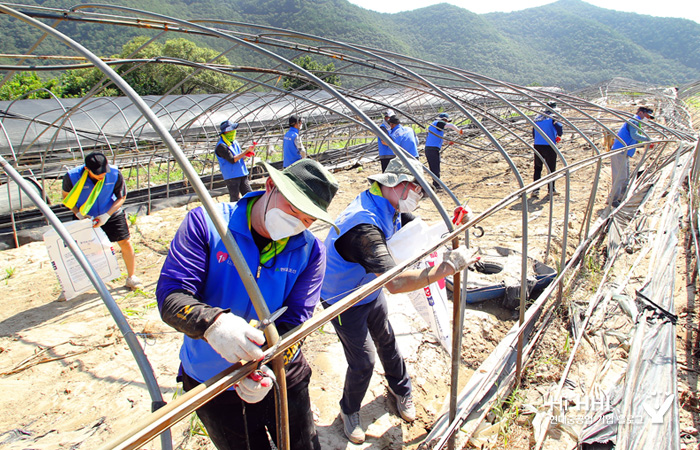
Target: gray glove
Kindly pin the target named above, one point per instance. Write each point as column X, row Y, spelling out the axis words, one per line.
column 460, row 258
column 234, row 339
column 255, row 386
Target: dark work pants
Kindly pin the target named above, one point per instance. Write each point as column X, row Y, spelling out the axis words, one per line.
column 354, row 328
column 385, row 162
column 225, row 418
column 550, row 157
column 432, row 154
column 237, row 187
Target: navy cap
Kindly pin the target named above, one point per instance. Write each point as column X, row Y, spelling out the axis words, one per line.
column 227, row 126
column 97, row 163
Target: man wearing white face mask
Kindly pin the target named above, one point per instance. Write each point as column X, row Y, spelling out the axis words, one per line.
column 357, row 254
column 200, row 294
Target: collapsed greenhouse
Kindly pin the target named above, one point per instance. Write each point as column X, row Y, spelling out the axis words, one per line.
column 164, row 147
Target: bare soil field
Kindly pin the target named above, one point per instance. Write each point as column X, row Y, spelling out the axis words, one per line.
column 69, row 381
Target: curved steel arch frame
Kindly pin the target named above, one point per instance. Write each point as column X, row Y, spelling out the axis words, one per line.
column 417, row 90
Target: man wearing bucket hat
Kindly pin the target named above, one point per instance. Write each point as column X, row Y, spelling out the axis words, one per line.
column 357, row 254
column 96, row 191
column 629, row 134
column 232, row 161
column 292, row 147
column 385, row 153
column 434, row 141
column 201, row 294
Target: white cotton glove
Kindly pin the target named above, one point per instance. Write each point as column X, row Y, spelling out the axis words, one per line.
column 460, row 258
column 255, row 386
column 467, row 212
column 234, row 339
column 100, row 220
column 80, row 216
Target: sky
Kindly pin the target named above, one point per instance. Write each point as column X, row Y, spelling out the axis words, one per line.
column 686, row 9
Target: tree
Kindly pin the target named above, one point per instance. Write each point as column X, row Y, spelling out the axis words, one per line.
column 204, row 81
column 78, row 82
column 150, row 77
column 159, row 78
column 326, row 73
column 23, row 82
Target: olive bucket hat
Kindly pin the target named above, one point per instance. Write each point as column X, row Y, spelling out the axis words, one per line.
column 396, row 172
column 307, row 185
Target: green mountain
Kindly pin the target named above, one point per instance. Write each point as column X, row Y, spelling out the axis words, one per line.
column 568, row 43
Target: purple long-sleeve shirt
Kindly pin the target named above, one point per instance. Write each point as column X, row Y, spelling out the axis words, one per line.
column 180, row 290
column 181, row 286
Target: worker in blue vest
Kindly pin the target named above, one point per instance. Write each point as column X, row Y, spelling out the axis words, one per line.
column 232, row 161
column 434, row 141
column 292, row 147
column 385, row 153
column 357, row 254
column 201, row 294
column 96, row 191
column 546, row 125
column 403, row 136
column 629, row 134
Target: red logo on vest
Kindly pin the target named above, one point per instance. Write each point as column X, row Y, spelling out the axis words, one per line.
column 221, row 257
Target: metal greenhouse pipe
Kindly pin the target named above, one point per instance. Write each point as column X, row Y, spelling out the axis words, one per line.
column 181, row 407
column 129, row 336
column 234, row 252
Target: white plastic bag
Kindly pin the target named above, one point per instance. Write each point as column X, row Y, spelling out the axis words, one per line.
column 431, row 301
column 97, row 249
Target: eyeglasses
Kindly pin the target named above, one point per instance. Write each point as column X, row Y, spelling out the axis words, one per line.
column 416, row 188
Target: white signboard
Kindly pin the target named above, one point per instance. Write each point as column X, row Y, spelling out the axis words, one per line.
column 97, row 249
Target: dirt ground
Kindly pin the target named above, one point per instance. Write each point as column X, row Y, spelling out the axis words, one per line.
column 69, row 381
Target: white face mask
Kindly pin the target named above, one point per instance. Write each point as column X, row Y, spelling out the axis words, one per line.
column 280, row 224
column 411, row 202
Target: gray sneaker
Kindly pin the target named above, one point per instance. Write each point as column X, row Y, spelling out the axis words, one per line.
column 352, row 427
column 133, row 283
column 405, row 406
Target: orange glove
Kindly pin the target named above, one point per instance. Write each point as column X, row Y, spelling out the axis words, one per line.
column 461, row 131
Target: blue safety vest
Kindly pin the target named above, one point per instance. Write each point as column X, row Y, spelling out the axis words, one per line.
column 289, row 147
column 384, row 149
column 229, row 169
column 405, row 138
column 106, row 198
column 546, row 126
column 625, row 135
column 437, row 127
column 224, row 287
column 343, row 277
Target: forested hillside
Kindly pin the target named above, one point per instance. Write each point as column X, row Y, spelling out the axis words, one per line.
column 568, row 43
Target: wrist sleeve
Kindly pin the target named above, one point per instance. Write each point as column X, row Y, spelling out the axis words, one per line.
column 182, row 311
